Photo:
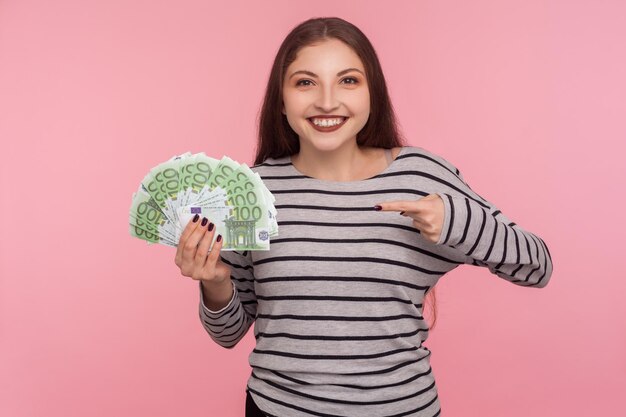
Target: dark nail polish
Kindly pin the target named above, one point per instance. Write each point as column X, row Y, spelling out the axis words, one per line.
column 219, row 238
column 204, row 221
column 211, row 226
column 401, row 213
column 196, row 217
column 377, row 207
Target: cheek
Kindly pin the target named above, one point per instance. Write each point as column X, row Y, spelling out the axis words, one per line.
column 292, row 123
column 361, row 104
column 294, row 104
column 295, row 121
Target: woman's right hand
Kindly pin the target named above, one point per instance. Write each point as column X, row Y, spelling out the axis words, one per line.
column 193, row 256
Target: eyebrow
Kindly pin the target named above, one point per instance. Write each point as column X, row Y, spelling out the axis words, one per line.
column 339, row 74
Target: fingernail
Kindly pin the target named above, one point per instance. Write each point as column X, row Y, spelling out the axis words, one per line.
column 196, row 217
column 204, row 221
column 211, row 226
column 219, row 238
column 401, row 213
column 377, row 207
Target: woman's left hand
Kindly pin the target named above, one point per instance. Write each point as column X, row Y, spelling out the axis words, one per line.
column 427, row 214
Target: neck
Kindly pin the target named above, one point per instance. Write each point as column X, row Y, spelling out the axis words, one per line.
column 347, row 163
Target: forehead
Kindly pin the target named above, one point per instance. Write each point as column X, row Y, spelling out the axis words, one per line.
column 331, row 54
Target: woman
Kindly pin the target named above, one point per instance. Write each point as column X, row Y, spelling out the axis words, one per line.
column 338, row 299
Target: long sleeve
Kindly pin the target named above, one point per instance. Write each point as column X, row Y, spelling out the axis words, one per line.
column 489, row 239
column 230, row 324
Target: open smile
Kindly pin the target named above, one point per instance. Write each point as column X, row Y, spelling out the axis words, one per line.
column 327, row 124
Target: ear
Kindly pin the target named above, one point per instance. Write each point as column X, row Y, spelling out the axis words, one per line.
column 283, row 109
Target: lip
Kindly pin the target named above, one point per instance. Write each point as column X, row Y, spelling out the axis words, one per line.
column 328, row 116
column 330, row 128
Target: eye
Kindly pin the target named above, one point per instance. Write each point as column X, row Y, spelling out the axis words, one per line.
column 303, row 81
column 352, row 79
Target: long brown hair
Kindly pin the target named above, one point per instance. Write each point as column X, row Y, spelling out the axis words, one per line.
column 276, row 138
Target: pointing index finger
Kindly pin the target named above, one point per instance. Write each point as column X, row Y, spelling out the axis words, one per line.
column 396, row 206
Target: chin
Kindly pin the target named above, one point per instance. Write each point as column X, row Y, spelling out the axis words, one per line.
column 330, row 144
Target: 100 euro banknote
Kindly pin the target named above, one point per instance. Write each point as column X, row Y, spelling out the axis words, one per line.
column 227, row 193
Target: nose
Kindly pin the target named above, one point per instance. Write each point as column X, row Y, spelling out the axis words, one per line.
column 327, row 99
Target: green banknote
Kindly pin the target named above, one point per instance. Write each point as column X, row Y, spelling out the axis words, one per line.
column 224, row 169
column 163, row 184
column 148, row 222
column 249, row 223
column 195, row 172
column 229, row 194
column 246, row 190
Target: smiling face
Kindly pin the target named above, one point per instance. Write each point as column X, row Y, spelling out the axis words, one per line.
column 326, row 84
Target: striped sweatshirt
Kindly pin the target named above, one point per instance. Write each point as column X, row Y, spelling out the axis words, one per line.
column 337, row 301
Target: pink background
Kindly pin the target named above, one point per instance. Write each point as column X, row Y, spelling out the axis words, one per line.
column 526, row 97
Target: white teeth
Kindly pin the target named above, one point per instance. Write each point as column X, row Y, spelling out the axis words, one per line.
column 327, row 122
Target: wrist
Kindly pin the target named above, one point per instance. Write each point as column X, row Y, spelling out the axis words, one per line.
column 216, row 296
column 215, row 282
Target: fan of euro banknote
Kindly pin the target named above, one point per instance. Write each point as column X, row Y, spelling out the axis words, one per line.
column 227, row 193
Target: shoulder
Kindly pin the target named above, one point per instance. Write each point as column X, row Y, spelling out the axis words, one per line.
column 428, row 159
column 272, row 166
